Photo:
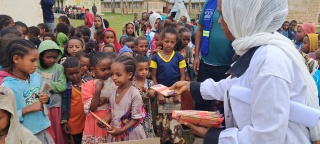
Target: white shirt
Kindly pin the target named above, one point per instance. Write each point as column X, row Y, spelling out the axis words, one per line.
column 274, row 80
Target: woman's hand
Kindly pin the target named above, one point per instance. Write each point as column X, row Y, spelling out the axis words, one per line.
column 44, row 98
column 180, row 87
column 199, row 131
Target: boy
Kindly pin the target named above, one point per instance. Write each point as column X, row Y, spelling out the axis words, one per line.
column 129, row 41
column 136, row 22
column 33, row 32
column 43, row 28
column 141, row 46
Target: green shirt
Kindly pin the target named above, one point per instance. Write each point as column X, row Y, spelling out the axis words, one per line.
column 219, row 46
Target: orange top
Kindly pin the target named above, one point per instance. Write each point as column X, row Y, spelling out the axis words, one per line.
column 83, row 10
column 77, row 117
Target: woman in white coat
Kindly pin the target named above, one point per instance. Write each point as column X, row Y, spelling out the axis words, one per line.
column 271, row 67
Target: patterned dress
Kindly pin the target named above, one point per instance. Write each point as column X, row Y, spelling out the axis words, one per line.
column 147, row 122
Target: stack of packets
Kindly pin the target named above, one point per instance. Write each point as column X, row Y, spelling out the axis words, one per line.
column 162, row 89
column 200, row 118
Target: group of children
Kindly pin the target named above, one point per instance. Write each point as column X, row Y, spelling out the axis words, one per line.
column 91, row 74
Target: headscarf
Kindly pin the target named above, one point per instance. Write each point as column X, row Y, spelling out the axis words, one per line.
column 134, row 30
column 125, row 49
column 93, row 28
column 17, row 133
column 308, row 28
column 90, row 19
column 254, row 23
column 117, row 46
column 313, row 42
column 152, row 19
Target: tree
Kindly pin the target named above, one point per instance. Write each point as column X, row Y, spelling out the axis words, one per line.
column 126, row 7
column 132, row 6
column 189, row 7
column 112, row 6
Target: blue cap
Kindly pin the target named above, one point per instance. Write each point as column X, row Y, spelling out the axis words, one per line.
column 125, row 49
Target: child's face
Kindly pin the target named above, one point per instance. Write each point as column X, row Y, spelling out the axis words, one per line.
column 119, row 74
column 47, row 38
column 142, row 47
column 28, row 63
column 156, row 24
column 305, row 45
column 50, row 58
column 128, row 54
column 285, row 26
column 142, row 69
column 130, row 45
column 293, row 25
column 96, row 37
column 85, row 63
column 102, row 69
column 97, row 22
column 185, row 38
column 169, row 41
column 73, row 74
column 74, row 46
column 300, row 34
column 108, row 49
column 109, row 37
column 130, row 29
column 157, row 39
column 4, row 120
column 42, row 31
column 23, row 29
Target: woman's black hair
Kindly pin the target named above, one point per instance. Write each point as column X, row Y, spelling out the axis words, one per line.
column 62, row 27
column 129, row 64
column 36, row 41
column 19, row 47
column 140, row 59
column 96, row 58
column 34, row 31
column 106, row 23
column 67, row 45
column 19, row 23
column 44, row 26
column 51, row 35
column 4, row 21
column 85, row 31
column 13, row 30
column 71, row 62
column 65, row 19
column 72, row 31
column 4, row 41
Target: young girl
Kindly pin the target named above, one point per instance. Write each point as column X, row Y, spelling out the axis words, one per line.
column 84, row 59
column 88, row 20
column 108, row 48
column 53, row 73
column 49, row 36
column 110, row 37
column 72, row 112
column 12, row 132
column 122, row 39
column 21, row 57
column 156, row 42
column 130, row 29
column 143, row 84
column 95, row 95
column 185, row 50
column 98, row 25
column 154, row 20
column 167, row 67
column 310, row 45
column 98, row 38
column 73, row 46
column 126, row 106
column 302, row 31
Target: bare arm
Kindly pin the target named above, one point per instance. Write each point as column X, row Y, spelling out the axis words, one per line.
column 182, row 74
column 95, row 100
column 196, row 62
column 154, row 75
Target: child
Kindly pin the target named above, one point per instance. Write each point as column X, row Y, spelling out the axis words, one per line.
column 303, row 30
column 98, row 38
column 292, row 31
column 74, row 45
column 129, row 41
column 23, row 27
column 12, row 132
column 121, row 40
column 284, row 30
column 5, row 21
column 85, row 32
column 64, row 19
column 72, row 112
column 98, row 25
column 95, row 95
column 156, row 42
column 125, row 51
column 136, row 22
column 33, row 32
column 21, row 59
column 88, row 19
column 143, row 84
column 167, row 67
column 185, row 50
column 110, row 37
column 141, row 46
column 310, row 45
column 108, row 48
column 43, row 28
column 49, row 36
column 126, row 106
column 84, row 59
column 62, row 31
column 53, row 73
column 130, row 29
column 154, row 20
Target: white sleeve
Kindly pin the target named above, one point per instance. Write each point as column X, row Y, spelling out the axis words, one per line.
column 270, row 106
column 211, row 90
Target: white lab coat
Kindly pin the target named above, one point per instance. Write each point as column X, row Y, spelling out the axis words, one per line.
column 274, row 80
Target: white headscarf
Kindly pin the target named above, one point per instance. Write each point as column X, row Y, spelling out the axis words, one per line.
column 17, row 133
column 152, row 19
column 93, row 28
column 254, row 23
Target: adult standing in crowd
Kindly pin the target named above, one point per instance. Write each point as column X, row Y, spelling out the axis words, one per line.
column 48, row 17
column 215, row 50
column 94, row 9
column 270, row 67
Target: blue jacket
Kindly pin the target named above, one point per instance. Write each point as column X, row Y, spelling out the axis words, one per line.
column 65, row 104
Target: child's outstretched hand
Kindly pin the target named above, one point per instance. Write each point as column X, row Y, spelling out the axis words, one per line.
column 161, row 99
column 44, row 98
column 115, row 131
column 99, row 85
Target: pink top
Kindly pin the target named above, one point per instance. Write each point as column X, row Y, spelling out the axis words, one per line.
column 3, row 74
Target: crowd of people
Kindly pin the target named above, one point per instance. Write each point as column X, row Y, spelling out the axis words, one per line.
column 93, row 72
